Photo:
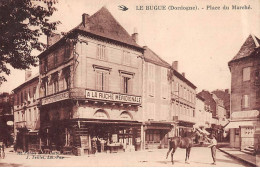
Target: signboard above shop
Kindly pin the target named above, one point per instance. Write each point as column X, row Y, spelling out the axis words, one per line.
column 55, row 98
column 116, row 97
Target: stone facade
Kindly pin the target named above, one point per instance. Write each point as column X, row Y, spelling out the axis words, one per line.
column 245, row 90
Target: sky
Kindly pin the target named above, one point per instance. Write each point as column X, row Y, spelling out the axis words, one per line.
column 202, row 41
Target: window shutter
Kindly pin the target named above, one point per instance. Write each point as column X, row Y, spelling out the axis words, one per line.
column 106, row 82
column 242, row 102
column 106, row 53
column 97, row 51
column 98, row 81
column 130, row 86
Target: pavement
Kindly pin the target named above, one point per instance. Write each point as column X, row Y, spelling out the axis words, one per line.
column 241, row 156
column 199, row 157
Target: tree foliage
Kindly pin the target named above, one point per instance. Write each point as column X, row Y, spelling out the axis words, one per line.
column 22, row 23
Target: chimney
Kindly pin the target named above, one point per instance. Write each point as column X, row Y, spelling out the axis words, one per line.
column 52, row 39
column 85, row 18
column 135, row 35
column 183, row 74
column 28, row 74
column 227, row 91
column 175, row 65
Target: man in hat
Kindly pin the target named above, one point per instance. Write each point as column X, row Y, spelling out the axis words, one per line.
column 213, row 144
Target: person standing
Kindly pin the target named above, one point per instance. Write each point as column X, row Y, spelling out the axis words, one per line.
column 213, row 146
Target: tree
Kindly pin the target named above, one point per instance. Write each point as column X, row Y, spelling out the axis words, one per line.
column 22, row 23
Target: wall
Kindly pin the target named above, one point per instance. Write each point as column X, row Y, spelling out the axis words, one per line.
column 156, row 94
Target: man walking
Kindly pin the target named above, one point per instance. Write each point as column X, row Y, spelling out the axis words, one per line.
column 213, row 144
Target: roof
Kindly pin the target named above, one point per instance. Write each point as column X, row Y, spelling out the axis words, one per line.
column 200, row 97
column 181, row 77
column 150, row 56
column 102, row 23
column 247, row 48
column 31, row 79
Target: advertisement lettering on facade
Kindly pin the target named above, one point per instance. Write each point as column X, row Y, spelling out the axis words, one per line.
column 90, row 94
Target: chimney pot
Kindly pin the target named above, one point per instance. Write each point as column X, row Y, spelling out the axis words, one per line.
column 52, row 39
column 28, row 74
column 183, row 74
column 85, row 18
column 175, row 65
column 135, row 35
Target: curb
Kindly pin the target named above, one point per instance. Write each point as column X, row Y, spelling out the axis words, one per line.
column 237, row 158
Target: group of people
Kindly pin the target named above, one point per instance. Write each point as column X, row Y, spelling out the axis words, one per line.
column 97, row 144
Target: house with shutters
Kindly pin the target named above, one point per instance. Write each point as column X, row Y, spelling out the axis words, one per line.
column 245, row 95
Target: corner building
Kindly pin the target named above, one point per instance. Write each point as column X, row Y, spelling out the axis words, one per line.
column 91, row 87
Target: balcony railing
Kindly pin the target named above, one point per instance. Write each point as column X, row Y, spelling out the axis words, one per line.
column 26, row 124
column 187, row 118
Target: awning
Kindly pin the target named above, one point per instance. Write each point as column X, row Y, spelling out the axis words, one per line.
column 203, row 131
column 239, row 123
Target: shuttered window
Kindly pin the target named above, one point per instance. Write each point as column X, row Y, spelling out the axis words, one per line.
column 246, row 74
column 102, row 81
column 245, row 101
column 101, row 52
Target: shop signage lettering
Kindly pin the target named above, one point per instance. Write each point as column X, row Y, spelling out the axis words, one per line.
column 55, row 98
column 113, row 97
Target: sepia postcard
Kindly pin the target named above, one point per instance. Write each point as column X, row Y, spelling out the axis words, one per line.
column 140, row 83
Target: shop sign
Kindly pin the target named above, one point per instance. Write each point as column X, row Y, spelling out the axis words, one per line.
column 55, row 98
column 84, row 140
column 91, row 94
column 245, row 114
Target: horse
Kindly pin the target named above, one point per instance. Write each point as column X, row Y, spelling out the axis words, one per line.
column 182, row 142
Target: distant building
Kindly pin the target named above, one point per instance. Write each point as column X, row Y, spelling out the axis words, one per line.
column 183, row 95
column 219, row 120
column 26, row 114
column 6, row 118
column 224, row 95
column 245, row 94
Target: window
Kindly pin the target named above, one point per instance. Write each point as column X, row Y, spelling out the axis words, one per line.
column 151, row 88
column 21, row 97
column 164, row 90
column 55, row 83
column 67, row 51
column 29, row 117
column 101, row 52
column 245, row 101
column 163, row 74
column 151, row 71
column 246, row 74
column 127, row 84
column 45, row 86
column 45, row 65
column 126, row 58
column 102, row 80
column 55, row 58
column 66, row 78
column 34, row 93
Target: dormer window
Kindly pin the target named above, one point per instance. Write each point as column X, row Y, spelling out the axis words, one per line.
column 101, row 52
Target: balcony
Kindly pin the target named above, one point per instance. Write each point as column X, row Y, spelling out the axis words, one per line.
column 20, row 125
column 186, row 118
column 26, row 124
column 182, row 100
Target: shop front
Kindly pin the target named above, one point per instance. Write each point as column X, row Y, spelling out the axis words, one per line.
column 185, row 128
column 157, row 134
column 93, row 125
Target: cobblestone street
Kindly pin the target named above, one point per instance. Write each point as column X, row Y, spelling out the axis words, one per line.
column 200, row 156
